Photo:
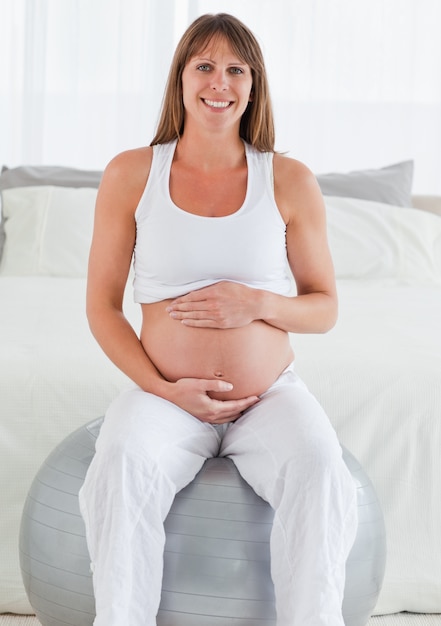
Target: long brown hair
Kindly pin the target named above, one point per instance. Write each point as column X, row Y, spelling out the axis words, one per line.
column 257, row 123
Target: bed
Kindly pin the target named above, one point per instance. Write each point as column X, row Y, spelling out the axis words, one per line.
column 377, row 373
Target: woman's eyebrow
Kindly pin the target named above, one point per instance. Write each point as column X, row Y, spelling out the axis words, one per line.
column 209, row 60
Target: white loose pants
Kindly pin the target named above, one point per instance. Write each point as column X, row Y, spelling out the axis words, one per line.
column 284, row 447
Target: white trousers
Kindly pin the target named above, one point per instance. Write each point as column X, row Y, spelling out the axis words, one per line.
column 284, row 447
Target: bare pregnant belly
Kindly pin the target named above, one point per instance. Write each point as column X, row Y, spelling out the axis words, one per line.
column 250, row 357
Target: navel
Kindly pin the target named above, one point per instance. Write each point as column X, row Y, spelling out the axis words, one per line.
column 219, row 374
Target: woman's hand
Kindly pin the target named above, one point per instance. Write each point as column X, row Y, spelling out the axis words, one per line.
column 192, row 395
column 221, row 305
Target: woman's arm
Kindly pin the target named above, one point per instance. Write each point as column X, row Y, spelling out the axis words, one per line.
column 109, row 264
column 110, row 257
column 314, row 308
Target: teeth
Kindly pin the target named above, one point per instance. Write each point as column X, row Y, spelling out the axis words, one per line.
column 216, row 104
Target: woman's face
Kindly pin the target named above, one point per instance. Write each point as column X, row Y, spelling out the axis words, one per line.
column 216, row 87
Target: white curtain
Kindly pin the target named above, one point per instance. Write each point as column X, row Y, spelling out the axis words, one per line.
column 355, row 83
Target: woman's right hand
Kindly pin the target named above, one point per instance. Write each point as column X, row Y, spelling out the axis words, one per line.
column 192, row 395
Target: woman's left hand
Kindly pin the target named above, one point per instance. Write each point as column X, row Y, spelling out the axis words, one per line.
column 222, row 305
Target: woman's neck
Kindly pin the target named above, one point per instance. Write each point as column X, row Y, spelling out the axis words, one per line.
column 212, row 151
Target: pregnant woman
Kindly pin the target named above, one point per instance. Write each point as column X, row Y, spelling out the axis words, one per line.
column 215, row 222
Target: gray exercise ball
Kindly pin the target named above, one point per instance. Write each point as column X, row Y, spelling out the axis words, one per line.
column 216, row 561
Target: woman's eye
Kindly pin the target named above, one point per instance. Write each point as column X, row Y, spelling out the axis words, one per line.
column 236, row 70
column 203, row 67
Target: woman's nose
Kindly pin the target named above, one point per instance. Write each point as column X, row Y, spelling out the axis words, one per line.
column 219, row 81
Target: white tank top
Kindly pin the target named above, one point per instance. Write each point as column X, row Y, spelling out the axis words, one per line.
column 177, row 252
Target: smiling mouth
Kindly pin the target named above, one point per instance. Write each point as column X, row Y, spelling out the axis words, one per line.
column 217, row 104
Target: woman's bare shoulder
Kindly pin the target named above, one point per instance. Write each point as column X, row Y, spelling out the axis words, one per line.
column 291, row 169
column 295, row 186
column 124, row 180
column 131, row 167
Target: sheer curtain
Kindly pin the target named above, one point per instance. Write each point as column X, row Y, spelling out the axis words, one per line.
column 355, row 84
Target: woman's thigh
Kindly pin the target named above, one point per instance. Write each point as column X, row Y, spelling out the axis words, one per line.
column 148, row 429
column 288, row 428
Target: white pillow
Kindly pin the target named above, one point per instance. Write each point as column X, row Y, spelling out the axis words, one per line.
column 48, row 230
column 373, row 240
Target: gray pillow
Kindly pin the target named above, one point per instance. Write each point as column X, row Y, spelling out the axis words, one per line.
column 38, row 175
column 391, row 184
column 41, row 175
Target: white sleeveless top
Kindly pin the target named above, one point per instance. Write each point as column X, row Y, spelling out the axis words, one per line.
column 177, row 252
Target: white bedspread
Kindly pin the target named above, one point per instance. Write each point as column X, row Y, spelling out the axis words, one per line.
column 378, row 375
